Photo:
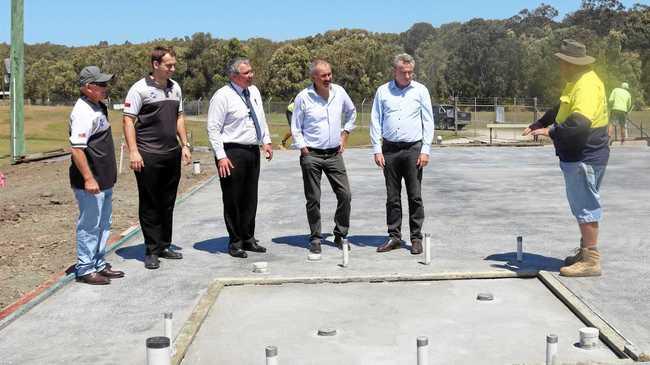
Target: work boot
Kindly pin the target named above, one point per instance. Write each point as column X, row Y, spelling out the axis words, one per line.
column 577, row 255
column 588, row 264
column 570, row 260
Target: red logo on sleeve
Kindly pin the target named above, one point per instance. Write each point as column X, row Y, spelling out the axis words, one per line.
column 127, row 104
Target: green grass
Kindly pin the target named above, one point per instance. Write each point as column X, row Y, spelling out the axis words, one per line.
column 46, row 127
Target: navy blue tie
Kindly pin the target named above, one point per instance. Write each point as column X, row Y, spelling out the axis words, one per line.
column 251, row 113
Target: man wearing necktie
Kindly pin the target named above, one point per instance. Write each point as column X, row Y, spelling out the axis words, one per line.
column 236, row 127
column 401, row 132
column 316, row 130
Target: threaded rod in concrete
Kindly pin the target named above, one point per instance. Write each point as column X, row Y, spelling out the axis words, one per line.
column 271, row 355
column 427, row 249
column 158, row 351
column 346, row 252
column 551, row 349
column 520, row 249
column 423, row 350
column 167, row 318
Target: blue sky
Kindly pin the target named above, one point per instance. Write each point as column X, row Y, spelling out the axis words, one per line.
column 76, row 22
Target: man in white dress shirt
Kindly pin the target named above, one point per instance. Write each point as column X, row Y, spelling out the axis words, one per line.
column 236, row 127
column 316, row 130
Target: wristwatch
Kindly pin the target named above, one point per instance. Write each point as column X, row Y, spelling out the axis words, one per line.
column 188, row 145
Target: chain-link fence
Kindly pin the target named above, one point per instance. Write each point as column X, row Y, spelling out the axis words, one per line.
column 479, row 111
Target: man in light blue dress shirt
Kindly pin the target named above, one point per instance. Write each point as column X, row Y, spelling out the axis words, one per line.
column 316, row 130
column 401, row 132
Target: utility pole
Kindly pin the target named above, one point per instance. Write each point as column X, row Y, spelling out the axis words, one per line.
column 17, row 85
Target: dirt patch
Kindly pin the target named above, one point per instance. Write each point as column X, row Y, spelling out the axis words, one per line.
column 38, row 214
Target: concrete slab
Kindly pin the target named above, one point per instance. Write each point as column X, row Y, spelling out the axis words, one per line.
column 476, row 202
column 378, row 323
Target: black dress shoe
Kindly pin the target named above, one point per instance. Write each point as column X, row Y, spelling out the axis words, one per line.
column 94, row 279
column 314, row 246
column 171, row 255
column 254, row 247
column 151, row 262
column 416, row 246
column 237, row 252
column 391, row 244
column 108, row 272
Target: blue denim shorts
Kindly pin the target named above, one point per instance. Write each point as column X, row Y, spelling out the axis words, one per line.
column 582, row 182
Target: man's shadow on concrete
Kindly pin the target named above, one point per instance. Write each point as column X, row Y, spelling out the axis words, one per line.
column 214, row 245
column 302, row 241
column 369, row 241
column 531, row 261
column 137, row 252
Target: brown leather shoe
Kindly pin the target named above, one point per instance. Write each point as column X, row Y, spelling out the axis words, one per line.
column 94, row 279
column 416, row 246
column 391, row 244
column 110, row 273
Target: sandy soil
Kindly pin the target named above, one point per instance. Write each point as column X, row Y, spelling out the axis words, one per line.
column 38, row 213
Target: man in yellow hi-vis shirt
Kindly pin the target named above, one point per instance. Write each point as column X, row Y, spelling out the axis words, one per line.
column 289, row 114
column 578, row 127
column 620, row 101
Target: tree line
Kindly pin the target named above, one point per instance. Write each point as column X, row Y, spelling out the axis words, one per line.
column 509, row 57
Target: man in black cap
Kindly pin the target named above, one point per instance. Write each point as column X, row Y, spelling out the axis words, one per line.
column 92, row 175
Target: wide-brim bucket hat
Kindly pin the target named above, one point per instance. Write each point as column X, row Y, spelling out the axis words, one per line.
column 575, row 53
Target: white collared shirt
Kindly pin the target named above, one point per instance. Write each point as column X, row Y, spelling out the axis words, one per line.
column 402, row 115
column 229, row 119
column 316, row 122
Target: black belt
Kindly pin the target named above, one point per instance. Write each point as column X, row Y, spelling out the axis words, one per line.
column 237, row 145
column 400, row 145
column 327, row 151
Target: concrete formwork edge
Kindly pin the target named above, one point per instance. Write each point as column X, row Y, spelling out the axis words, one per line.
column 193, row 324
column 200, row 312
column 619, row 345
column 608, row 334
column 500, row 274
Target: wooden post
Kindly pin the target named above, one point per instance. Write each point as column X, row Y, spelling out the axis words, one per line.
column 17, row 139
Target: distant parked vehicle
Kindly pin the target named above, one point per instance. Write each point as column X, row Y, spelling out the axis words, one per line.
column 449, row 117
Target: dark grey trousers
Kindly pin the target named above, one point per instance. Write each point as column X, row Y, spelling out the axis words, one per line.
column 313, row 166
column 400, row 159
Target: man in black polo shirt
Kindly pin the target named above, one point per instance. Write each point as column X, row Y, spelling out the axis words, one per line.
column 92, row 176
column 153, row 119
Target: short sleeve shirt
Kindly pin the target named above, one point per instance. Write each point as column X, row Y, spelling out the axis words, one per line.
column 91, row 131
column 156, row 110
column 585, row 96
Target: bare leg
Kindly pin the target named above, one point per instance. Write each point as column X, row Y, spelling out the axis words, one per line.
column 589, row 233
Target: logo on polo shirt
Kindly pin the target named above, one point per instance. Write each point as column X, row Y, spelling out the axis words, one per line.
column 81, row 135
column 127, row 104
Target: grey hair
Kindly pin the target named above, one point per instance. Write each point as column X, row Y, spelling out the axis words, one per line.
column 404, row 58
column 315, row 63
column 233, row 68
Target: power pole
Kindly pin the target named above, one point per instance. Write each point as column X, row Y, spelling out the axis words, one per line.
column 17, row 77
